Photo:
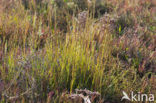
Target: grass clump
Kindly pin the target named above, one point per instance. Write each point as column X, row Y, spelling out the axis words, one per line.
column 48, row 49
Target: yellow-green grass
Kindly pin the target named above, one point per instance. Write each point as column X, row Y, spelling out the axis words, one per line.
column 32, row 66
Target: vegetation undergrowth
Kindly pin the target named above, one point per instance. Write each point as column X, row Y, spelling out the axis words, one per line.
column 50, row 47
